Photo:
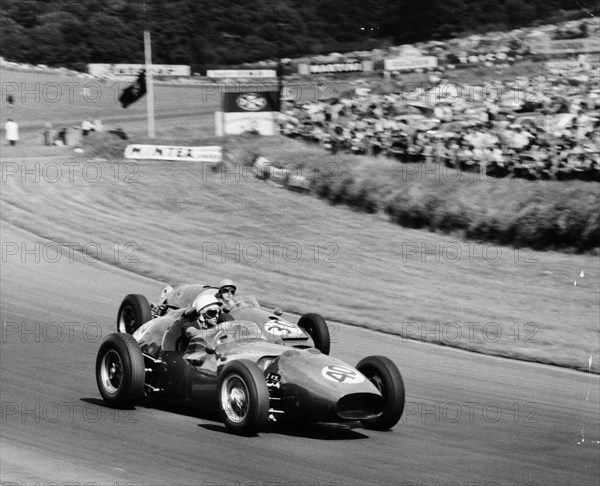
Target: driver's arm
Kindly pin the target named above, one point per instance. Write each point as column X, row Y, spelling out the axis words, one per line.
column 190, row 330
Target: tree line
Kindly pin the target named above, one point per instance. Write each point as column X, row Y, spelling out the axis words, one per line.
column 211, row 33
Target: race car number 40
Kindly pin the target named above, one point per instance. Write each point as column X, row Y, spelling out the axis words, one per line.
column 342, row 374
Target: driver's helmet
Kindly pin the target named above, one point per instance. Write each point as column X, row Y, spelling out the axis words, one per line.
column 226, row 287
column 227, row 283
column 208, row 308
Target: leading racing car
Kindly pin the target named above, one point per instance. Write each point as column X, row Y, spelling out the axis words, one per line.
column 310, row 330
column 236, row 369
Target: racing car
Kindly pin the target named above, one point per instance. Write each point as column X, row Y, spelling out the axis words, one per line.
column 236, row 370
column 310, row 330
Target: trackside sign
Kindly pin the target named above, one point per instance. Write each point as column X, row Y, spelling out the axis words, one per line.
column 410, row 63
column 166, row 152
column 100, row 69
column 241, row 73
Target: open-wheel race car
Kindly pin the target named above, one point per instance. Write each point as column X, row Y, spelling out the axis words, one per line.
column 236, row 370
column 310, row 330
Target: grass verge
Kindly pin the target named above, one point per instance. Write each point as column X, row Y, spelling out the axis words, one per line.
column 177, row 223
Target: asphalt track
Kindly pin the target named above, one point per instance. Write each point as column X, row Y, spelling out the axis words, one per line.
column 470, row 419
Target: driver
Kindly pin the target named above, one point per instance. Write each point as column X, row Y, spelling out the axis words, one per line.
column 208, row 309
column 226, row 292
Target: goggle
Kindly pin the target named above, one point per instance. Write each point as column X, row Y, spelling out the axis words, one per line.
column 211, row 313
column 227, row 290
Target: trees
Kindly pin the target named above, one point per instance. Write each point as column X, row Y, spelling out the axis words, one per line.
column 209, row 32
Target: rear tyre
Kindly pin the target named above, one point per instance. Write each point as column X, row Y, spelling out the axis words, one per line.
column 317, row 329
column 120, row 371
column 384, row 374
column 134, row 311
column 243, row 397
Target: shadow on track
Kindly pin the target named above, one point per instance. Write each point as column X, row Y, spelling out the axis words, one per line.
column 318, row 431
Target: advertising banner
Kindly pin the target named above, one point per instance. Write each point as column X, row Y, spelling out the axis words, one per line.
column 251, row 101
column 336, row 67
column 166, row 152
column 410, row 63
column 247, row 111
column 563, row 46
column 241, row 73
column 236, row 123
column 109, row 70
column 563, row 66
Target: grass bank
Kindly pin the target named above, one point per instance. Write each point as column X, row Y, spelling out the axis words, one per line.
column 177, row 222
column 541, row 215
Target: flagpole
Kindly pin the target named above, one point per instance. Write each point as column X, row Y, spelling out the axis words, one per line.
column 149, row 85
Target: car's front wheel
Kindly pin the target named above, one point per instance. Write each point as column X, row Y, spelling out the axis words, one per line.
column 386, row 377
column 243, row 397
column 120, row 371
column 133, row 312
column 317, row 329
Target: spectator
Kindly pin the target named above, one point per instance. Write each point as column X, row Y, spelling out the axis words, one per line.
column 86, row 127
column 48, row 133
column 12, row 131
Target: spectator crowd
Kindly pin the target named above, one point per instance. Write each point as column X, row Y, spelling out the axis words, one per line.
column 541, row 127
column 545, row 127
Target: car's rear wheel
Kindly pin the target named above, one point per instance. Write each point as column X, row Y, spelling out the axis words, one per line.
column 317, row 329
column 384, row 374
column 120, row 371
column 134, row 311
column 243, row 397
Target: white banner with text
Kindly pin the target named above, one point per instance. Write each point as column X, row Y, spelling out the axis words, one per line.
column 166, row 152
column 109, row 70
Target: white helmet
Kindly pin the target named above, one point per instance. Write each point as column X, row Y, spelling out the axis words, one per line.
column 205, row 300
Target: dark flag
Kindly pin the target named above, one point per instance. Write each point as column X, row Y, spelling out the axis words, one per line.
column 134, row 91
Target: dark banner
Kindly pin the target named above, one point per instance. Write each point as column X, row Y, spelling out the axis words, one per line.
column 251, row 101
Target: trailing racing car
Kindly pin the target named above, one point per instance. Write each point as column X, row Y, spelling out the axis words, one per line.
column 310, row 330
column 235, row 369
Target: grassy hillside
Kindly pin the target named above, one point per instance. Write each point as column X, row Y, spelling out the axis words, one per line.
column 183, row 222
column 60, row 99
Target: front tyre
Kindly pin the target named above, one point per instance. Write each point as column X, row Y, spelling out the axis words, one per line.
column 120, row 371
column 134, row 311
column 384, row 374
column 317, row 329
column 243, row 397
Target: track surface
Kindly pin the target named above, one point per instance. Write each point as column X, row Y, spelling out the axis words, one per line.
column 470, row 419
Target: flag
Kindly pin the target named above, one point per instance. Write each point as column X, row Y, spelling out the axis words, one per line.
column 134, row 91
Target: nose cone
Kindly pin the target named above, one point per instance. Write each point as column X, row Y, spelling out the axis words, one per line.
column 316, row 387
